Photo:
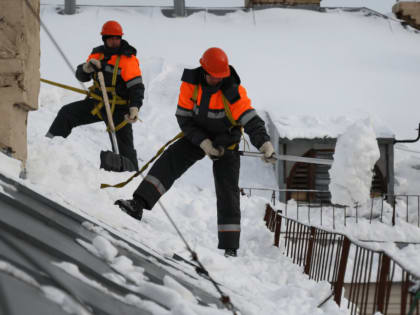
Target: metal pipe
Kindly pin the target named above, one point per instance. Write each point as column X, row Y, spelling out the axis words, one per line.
column 409, row 141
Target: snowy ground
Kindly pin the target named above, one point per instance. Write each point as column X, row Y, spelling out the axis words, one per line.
column 315, row 73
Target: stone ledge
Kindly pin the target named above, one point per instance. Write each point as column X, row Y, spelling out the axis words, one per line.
column 408, row 11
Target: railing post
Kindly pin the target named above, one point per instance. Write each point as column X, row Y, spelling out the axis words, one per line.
column 385, row 264
column 338, row 286
column 405, row 283
column 267, row 213
column 277, row 231
column 69, row 7
column 393, row 209
column 179, row 7
column 273, row 218
column 309, row 254
column 273, row 197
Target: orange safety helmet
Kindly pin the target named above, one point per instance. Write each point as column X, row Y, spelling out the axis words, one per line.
column 215, row 62
column 112, row 28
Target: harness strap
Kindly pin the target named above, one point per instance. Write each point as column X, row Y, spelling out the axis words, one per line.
column 225, row 105
column 228, row 113
column 64, row 86
column 116, row 100
column 122, row 184
column 119, row 126
column 114, row 82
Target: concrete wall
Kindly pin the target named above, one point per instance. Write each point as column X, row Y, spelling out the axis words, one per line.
column 250, row 3
column 19, row 73
column 408, row 11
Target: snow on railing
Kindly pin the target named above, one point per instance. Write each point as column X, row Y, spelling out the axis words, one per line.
column 387, row 208
column 374, row 280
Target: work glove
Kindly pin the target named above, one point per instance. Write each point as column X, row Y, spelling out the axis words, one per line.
column 213, row 153
column 268, row 150
column 133, row 116
column 93, row 65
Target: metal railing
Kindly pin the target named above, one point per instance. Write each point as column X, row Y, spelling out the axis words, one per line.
column 372, row 281
column 385, row 208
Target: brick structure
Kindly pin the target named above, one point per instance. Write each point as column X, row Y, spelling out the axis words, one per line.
column 19, row 73
column 409, row 11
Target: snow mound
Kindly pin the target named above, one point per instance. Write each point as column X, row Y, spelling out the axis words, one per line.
column 356, row 153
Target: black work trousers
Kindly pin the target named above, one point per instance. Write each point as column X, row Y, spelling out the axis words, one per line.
column 179, row 157
column 79, row 113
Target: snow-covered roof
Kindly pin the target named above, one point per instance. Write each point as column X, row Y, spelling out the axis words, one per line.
column 305, row 68
column 315, row 127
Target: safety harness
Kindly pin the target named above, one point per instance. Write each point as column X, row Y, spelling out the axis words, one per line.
column 179, row 136
column 227, row 112
column 116, row 100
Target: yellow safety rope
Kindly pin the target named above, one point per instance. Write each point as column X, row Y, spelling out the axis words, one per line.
column 178, row 136
column 115, row 98
column 117, row 101
column 122, row 184
column 68, row 87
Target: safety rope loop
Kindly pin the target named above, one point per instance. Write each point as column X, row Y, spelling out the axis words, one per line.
column 200, row 269
column 194, row 256
column 226, row 301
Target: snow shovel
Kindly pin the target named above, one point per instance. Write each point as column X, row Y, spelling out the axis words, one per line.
column 291, row 158
column 112, row 160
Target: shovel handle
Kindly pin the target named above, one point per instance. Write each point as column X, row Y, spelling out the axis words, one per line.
column 291, row 158
column 108, row 111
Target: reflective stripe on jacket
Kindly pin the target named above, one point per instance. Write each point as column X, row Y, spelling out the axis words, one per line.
column 129, row 83
column 207, row 117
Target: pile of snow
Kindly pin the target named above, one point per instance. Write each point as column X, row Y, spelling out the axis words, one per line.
column 10, row 166
column 356, row 153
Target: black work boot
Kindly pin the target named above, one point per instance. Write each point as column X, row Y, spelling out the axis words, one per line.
column 230, row 252
column 132, row 207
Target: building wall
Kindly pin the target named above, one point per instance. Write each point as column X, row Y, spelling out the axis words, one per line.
column 408, row 11
column 19, row 73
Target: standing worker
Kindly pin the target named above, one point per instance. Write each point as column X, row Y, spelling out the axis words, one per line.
column 120, row 66
column 212, row 109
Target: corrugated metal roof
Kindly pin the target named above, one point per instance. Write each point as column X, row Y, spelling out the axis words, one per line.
column 38, row 234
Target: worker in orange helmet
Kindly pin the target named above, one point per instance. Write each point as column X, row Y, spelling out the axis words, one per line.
column 116, row 58
column 213, row 106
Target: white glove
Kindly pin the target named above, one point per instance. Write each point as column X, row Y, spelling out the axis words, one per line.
column 207, row 146
column 91, row 66
column 268, row 150
column 134, row 115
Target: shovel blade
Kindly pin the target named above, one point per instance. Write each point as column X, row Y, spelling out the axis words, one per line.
column 113, row 162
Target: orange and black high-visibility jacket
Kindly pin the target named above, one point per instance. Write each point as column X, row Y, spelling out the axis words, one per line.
column 206, row 116
column 129, row 83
